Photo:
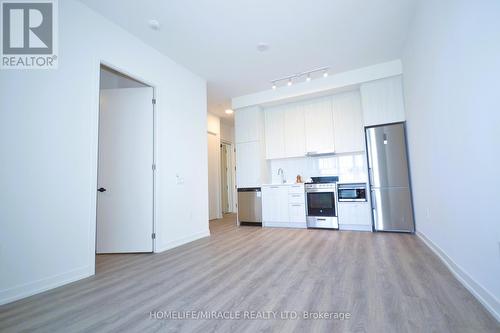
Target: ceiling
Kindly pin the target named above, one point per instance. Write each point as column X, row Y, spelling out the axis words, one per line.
column 217, row 39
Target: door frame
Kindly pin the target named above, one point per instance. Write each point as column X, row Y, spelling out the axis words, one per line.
column 95, row 154
column 230, row 174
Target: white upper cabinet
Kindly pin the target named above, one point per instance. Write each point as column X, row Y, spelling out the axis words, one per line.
column 250, row 169
column 275, row 133
column 295, row 134
column 319, row 128
column 348, row 122
column 382, row 101
column 296, row 129
column 248, row 124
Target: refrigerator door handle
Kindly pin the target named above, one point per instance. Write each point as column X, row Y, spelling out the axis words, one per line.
column 374, row 203
column 370, row 176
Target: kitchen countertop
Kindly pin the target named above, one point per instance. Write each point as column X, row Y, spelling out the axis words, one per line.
column 338, row 183
column 285, row 184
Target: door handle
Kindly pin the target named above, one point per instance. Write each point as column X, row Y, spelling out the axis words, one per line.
column 101, row 189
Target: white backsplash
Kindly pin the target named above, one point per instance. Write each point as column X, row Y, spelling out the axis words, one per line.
column 348, row 167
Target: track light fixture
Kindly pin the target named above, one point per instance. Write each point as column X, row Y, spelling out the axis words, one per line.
column 307, row 75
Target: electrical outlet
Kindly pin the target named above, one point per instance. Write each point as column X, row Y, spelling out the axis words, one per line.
column 428, row 214
column 180, row 180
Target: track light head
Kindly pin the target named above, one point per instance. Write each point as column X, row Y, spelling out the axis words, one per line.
column 309, row 75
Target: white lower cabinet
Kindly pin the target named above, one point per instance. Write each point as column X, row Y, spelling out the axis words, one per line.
column 274, row 203
column 283, row 206
column 355, row 216
column 297, row 213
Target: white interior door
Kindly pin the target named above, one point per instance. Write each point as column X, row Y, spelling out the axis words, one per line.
column 214, row 197
column 224, row 179
column 125, row 208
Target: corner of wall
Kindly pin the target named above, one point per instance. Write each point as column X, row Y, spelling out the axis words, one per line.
column 487, row 299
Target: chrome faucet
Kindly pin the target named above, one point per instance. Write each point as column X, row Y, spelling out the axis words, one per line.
column 282, row 174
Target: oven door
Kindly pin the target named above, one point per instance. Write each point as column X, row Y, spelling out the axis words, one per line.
column 321, row 204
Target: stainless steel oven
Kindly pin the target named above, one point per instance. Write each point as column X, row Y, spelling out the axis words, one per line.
column 351, row 192
column 322, row 203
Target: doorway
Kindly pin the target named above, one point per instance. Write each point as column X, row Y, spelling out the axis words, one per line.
column 125, row 175
column 226, row 157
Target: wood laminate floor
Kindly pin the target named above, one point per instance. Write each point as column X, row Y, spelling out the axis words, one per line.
column 386, row 282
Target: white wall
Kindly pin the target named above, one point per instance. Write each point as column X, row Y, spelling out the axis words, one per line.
column 227, row 132
column 213, row 124
column 451, row 80
column 214, row 172
column 48, row 149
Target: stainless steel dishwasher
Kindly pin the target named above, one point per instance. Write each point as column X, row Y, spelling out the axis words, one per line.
column 250, row 205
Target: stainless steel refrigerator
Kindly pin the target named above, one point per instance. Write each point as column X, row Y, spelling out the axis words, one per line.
column 389, row 178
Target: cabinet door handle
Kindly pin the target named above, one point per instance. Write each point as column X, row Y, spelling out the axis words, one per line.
column 297, row 205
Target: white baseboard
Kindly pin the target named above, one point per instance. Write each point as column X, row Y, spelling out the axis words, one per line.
column 32, row 288
column 355, row 227
column 181, row 241
column 487, row 299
